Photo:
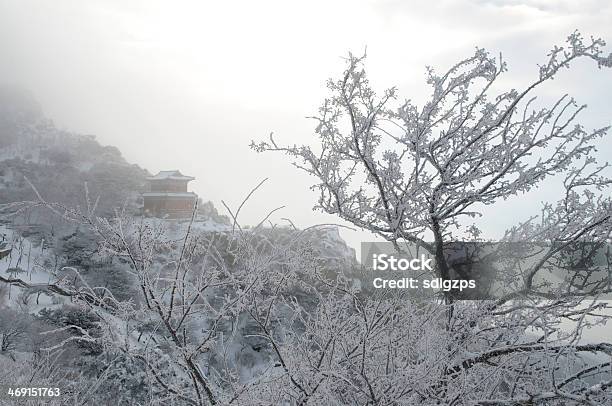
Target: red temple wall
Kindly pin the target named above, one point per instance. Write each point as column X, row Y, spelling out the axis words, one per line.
column 168, row 186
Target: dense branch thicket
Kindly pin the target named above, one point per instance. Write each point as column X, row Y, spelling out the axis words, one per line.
column 208, row 299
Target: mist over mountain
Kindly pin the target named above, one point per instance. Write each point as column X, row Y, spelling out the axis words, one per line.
column 59, row 163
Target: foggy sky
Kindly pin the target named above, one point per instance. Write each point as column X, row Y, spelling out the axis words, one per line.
column 188, row 84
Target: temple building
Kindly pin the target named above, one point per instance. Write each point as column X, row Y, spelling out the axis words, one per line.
column 168, row 197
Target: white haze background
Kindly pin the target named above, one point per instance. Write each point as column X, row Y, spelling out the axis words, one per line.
column 188, row 84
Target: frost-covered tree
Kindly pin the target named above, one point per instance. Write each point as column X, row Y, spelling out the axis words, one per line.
column 185, row 334
column 420, row 174
column 13, row 328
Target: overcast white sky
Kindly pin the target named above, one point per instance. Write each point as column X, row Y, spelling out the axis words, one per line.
column 187, row 84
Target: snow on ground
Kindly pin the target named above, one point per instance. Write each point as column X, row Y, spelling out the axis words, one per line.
column 26, row 262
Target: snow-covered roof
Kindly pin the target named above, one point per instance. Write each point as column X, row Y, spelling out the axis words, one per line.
column 170, row 175
column 169, row 194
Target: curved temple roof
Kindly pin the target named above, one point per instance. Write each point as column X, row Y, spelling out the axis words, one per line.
column 170, row 175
